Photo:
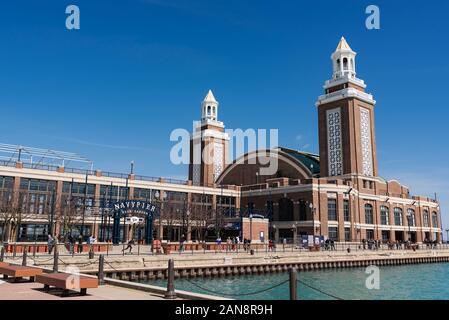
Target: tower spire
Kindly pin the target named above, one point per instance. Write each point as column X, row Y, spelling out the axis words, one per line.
column 343, row 60
column 209, row 107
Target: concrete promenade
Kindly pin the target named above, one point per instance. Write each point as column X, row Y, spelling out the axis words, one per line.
column 199, row 259
column 33, row 291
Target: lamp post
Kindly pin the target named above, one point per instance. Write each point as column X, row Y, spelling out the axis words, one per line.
column 409, row 216
column 160, row 200
column 295, row 232
column 251, row 227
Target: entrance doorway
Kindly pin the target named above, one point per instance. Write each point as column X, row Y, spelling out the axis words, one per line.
column 399, row 235
column 413, row 236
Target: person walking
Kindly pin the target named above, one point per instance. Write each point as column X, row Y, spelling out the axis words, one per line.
column 71, row 243
column 50, row 243
column 332, row 245
column 129, row 246
column 182, row 241
column 80, row 244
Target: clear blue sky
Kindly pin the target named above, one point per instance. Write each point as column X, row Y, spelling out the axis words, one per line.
column 115, row 89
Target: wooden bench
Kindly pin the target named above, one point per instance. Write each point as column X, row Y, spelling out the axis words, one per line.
column 67, row 281
column 18, row 272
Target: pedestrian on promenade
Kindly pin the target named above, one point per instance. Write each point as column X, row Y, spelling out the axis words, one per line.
column 228, row 244
column 129, row 246
column 183, row 240
column 71, row 243
column 80, row 244
column 50, row 243
column 332, row 245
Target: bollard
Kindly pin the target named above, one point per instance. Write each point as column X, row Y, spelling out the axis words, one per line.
column 101, row 270
column 293, row 285
column 170, row 294
column 2, row 254
column 24, row 256
column 56, row 260
column 91, row 253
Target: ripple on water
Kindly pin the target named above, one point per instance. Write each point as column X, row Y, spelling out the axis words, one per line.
column 417, row 282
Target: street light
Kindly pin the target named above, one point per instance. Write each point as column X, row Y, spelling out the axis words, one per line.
column 251, row 227
column 157, row 195
column 409, row 216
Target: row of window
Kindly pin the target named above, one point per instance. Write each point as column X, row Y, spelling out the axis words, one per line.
column 332, row 210
column 384, row 214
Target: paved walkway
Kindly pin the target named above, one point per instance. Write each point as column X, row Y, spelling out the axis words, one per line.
column 33, row 291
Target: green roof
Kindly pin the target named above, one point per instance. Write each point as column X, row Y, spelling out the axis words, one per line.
column 307, row 159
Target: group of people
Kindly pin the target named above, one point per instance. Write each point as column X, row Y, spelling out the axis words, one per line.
column 329, row 245
column 69, row 241
column 232, row 243
column 371, row 244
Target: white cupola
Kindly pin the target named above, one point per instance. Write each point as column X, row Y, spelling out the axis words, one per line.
column 343, row 60
column 209, row 107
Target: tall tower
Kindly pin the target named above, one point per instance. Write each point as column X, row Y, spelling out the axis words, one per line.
column 346, row 120
column 208, row 145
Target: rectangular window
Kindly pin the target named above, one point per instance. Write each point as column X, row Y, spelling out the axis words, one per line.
column 347, row 234
column 384, row 215
column 332, row 209
column 346, row 211
column 333, row 233
column 369, row 234
column 385, row 235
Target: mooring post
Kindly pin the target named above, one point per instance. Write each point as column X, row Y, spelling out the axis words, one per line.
column 24, row 256
column 56, row 260
column 293, row 284
column 14, row 252
column 2, row 254
column 170, row 294
column 101, row 270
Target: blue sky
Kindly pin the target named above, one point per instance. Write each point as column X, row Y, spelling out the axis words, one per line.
column 115, row 89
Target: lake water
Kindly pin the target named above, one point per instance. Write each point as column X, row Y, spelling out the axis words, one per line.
column 417, row 282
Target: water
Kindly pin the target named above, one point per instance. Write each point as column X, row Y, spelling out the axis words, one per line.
column 417, row 282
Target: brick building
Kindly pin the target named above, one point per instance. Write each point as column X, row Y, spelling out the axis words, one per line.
column 337, row 193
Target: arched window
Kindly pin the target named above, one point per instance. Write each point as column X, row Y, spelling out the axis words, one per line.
column 398, row 216
column 285, row 210
column 345, row 63
column 434, row 220
column 369, row 214
column 425, row 219
column 384, row 218
column 411, row 217
column 208, row 110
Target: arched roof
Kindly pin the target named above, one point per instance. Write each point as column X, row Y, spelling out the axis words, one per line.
column 291, row 164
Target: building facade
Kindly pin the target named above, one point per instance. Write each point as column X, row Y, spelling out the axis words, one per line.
column 337, row 193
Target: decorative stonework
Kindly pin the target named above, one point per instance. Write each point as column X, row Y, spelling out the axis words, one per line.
column 365, row 134
column 196, row 174
column 218, row 159
column 334, row 143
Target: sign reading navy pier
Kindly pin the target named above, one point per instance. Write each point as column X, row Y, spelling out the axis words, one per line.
column 124, row 209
